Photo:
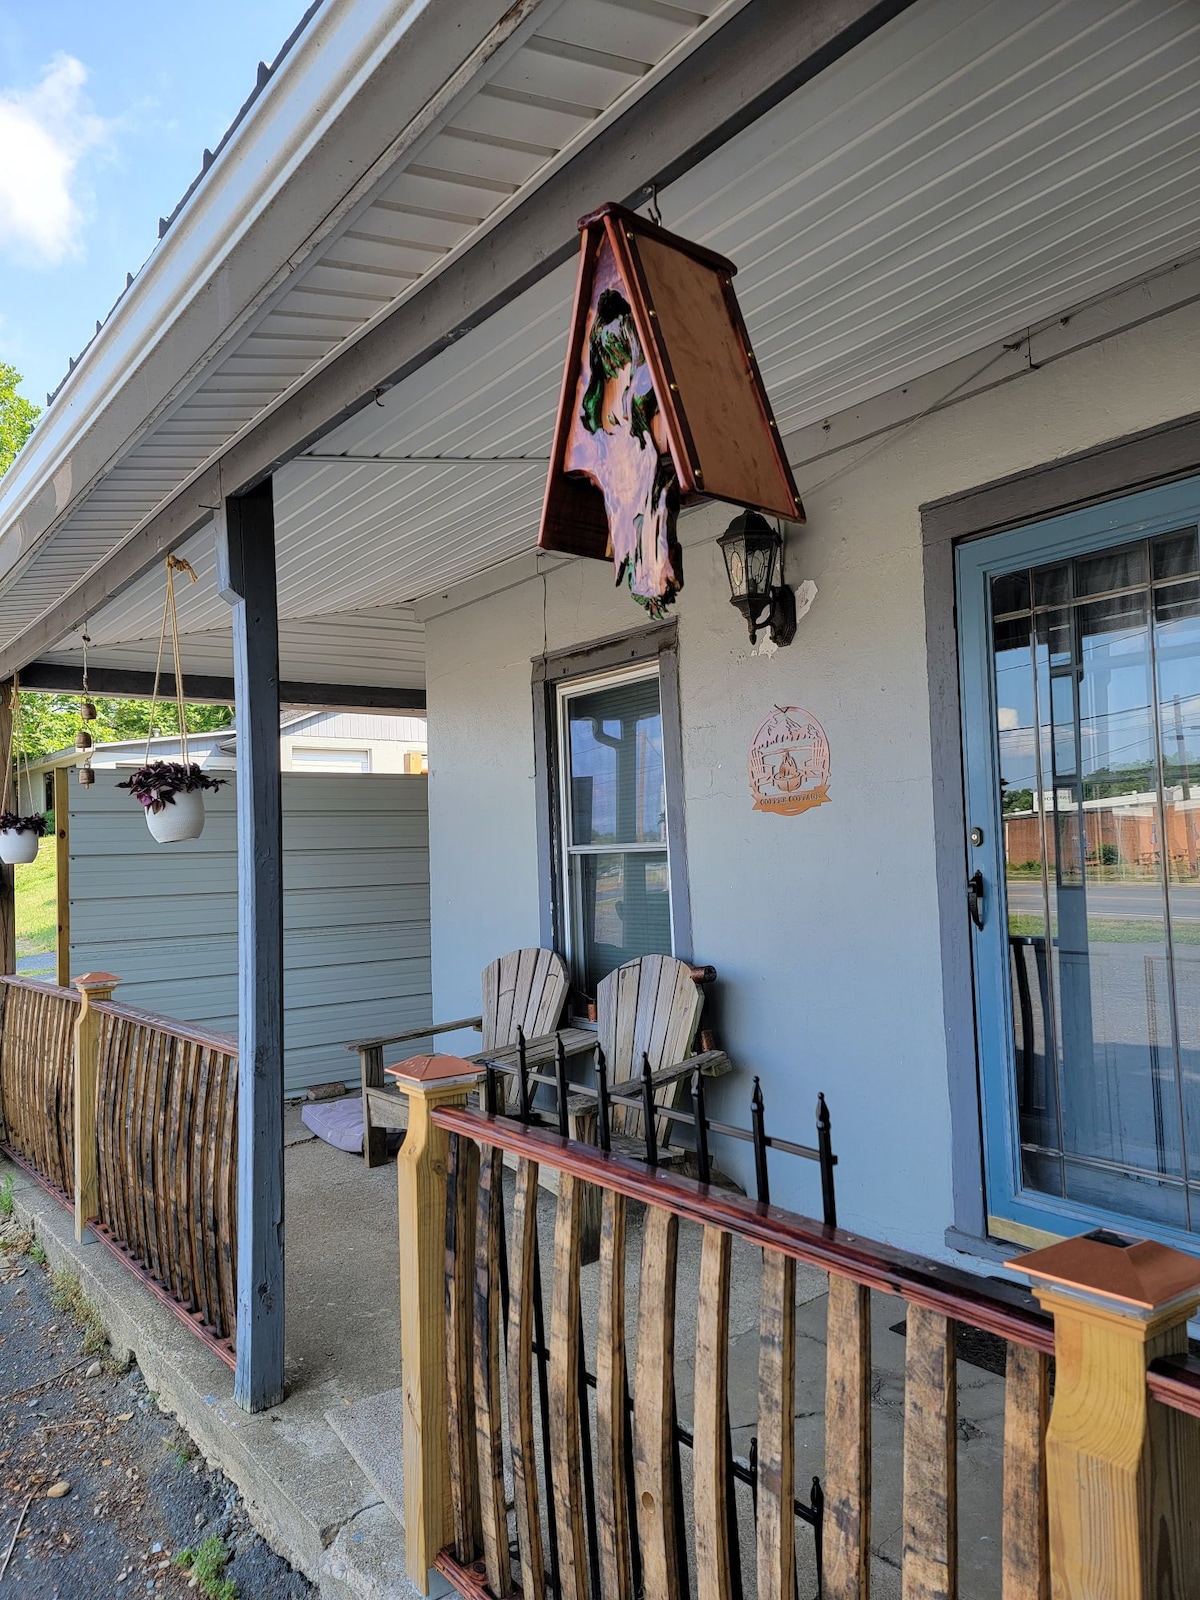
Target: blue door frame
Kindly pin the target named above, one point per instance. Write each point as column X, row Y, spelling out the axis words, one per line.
column 1115, row 522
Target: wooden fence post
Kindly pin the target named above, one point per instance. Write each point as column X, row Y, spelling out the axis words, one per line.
column 92, row 986
column 421, row 1171
column 1123, row 1471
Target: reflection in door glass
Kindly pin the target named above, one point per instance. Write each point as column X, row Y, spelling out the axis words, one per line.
column 1097, row 686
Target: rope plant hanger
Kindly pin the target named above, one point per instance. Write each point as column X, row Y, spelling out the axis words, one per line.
column 19, row 835
column 171, row 791
column 87, row 713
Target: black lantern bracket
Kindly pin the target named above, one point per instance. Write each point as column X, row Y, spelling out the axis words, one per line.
column 753, row 552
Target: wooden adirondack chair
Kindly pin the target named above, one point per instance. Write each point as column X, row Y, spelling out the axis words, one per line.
column 524, row 989
column 648, row 1008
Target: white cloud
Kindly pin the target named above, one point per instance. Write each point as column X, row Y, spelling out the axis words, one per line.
column 44, row 132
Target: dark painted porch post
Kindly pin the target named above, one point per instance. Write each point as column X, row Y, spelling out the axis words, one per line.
column 8, row 895
column 246, row 579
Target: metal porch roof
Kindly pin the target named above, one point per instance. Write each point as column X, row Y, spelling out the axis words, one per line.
column 548, row 75
column 968, row 170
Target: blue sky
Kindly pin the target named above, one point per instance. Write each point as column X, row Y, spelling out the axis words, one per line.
column 105, row 107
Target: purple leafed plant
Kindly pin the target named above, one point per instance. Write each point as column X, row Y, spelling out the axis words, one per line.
column 10, row 822
column 157, row 783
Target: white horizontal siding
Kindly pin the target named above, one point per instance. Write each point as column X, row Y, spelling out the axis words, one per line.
column 356, row 911
column 358, row 726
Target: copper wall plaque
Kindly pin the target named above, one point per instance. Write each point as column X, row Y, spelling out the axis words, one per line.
column 789, row 763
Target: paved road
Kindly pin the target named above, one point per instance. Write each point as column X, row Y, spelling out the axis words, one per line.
column 1139, row 900
column 37, row 966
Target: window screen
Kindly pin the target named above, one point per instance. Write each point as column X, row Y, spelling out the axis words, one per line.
column 614, row 826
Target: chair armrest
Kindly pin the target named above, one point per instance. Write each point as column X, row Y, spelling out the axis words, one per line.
column 712, row 1063
column 541, row 1051
column 423, row 1032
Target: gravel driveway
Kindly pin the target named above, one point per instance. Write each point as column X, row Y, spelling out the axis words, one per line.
column 136, row 1494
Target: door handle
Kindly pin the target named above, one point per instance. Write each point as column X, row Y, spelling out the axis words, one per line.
column 975, row 897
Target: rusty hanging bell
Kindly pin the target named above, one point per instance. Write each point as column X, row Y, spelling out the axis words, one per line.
column 83, row 740
column 87, row 710
column 86, row 777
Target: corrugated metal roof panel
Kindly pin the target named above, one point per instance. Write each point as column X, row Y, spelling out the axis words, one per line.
column 972, row 167
column 443, row 188
column 381, row 647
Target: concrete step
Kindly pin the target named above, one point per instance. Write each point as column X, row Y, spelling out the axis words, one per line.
column 370, row 1430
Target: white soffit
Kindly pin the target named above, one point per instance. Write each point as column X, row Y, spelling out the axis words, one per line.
column 564, row 73
column 973, row 167
column 970, row 169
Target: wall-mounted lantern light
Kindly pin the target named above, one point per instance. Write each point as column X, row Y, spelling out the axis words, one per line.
column 753, row 552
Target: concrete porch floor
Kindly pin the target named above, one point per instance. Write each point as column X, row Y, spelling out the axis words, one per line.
column 296, row 1466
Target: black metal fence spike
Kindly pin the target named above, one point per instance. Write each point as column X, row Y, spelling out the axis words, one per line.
column 759, row 1131
column 649, row 1132
column 816, row 1500
column 826, row 1158
column 560, row 1083
column 522, row 1077
column 489, row 1088
column 603, row 1123
column 703, row 1165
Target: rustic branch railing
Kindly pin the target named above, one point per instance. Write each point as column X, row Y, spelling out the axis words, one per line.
column 503, row 1497
column 166, row 1144
column 936, row 1297
column 37, row 1079
column 131, row 1119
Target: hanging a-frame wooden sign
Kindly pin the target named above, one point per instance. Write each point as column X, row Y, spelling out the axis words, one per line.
column 662, row 404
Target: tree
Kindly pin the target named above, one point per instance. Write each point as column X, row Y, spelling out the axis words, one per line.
column 49, row 722
column 17, row 416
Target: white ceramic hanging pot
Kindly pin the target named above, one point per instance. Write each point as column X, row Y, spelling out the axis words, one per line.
column 18, row 849
column 181, row 818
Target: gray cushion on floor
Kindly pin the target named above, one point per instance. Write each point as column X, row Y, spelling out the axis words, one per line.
column 340, row 1123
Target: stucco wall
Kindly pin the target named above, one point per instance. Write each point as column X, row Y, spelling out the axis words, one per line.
column 823, row 927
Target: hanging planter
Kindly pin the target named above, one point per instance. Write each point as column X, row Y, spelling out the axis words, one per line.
column 173, row 795
column 172, row 792
column 19, row 836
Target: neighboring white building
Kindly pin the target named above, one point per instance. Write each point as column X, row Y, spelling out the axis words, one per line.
column 309, row 741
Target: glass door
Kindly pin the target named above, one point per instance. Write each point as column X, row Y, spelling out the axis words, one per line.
column 1081, row 678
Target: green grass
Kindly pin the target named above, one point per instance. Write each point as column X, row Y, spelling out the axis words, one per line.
column 37, row 903
column 207, row 1566
column 66, row 1292
column 8, row 1190
column 1110, row 930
